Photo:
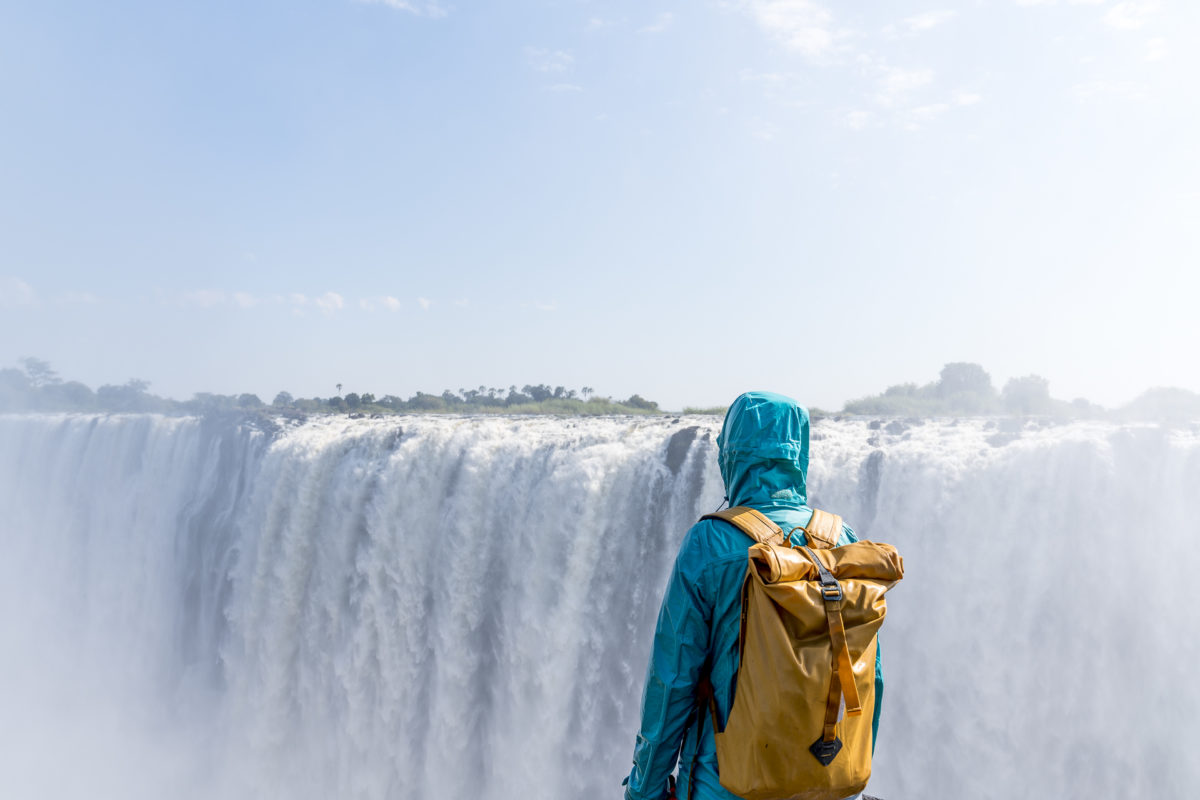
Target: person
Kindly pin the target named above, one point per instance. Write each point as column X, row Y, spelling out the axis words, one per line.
column 763, row 456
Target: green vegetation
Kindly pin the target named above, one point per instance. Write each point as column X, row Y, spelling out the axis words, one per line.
column 962, row 389
column 37, row 387
column 965, row 389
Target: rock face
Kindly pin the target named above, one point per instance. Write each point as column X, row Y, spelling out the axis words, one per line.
column 1001, row 439
column 678, row 446
column 868, row 484
column 895, row 427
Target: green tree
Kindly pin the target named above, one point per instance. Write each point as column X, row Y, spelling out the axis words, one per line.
column 132, row 396
column 963, row 376
column 247, row 400
column 353, row 400
column 283, row 399
column 69, row 396
column 1027, row 395
column 637, row 401
column 39, row 372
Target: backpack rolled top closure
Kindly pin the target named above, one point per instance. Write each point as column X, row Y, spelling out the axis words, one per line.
column 810, row 618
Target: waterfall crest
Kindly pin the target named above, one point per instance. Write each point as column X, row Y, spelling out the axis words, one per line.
column 435, row 607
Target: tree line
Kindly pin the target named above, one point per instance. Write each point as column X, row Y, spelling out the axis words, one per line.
column 965, row 389
column 962, row 389
column 36, row 386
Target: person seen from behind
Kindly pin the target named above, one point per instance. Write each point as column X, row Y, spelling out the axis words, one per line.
column 763, row 453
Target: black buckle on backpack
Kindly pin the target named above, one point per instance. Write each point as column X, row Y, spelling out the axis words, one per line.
column 830, row 588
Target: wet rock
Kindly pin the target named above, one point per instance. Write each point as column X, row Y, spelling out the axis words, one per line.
column 895, row 427
column 875, row 424
column 393, row 439
column 868, row 483
column 678, row 446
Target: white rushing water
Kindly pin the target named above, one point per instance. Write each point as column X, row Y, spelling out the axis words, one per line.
column 430, row 607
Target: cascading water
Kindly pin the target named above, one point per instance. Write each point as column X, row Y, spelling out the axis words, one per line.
column 432, row 607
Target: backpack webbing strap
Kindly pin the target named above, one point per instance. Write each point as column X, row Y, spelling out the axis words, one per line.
column 752, row 523
column 841, row 682
column 823, row 530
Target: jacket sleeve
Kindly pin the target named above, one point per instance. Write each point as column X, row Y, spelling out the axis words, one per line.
column 681, row 641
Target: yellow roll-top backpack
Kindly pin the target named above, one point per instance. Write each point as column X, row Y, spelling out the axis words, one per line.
column 810, row 617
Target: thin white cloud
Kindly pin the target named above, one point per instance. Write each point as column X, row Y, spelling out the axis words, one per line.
column 896, row 84
column 551, row 306
column 383, row 302
column 763, row 130
column 660, row 24
column 922, row 115
column 244, row 300
column 1055, row 2
column 1123, row 89
column 811, row 30
column 564, row 88
column 1157, row 49
column 204, row 298
column 928, row 21
column 425, row 303
column 801, row 25
column 77, row 299
column 432, row 10
column 462, row 302
column 858, row 120
column 544, row 60
column 15, row 292
column 1131, row 15
column 766, row 78
column 966, row 98
column 329, row 303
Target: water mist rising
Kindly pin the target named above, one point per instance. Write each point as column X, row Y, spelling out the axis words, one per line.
column 461, row 608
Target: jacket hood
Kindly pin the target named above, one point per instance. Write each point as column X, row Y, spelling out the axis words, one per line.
column 763, row 451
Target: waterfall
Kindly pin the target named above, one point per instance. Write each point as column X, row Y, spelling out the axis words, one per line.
column 447, row 607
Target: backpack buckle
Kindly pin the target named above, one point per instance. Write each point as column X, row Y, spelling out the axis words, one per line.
column 831, row 592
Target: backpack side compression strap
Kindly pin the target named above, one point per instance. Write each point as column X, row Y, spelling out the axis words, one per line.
column 752, row 523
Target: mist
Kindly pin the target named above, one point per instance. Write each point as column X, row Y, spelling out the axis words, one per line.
column 431, row 606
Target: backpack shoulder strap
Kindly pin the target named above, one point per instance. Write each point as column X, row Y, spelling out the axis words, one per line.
column 752, row 523
column 823, row 530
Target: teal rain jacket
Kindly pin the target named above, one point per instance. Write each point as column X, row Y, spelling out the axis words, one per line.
column 763, row 455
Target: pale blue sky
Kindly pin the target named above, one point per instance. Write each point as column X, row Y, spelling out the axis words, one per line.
column 684, row 200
